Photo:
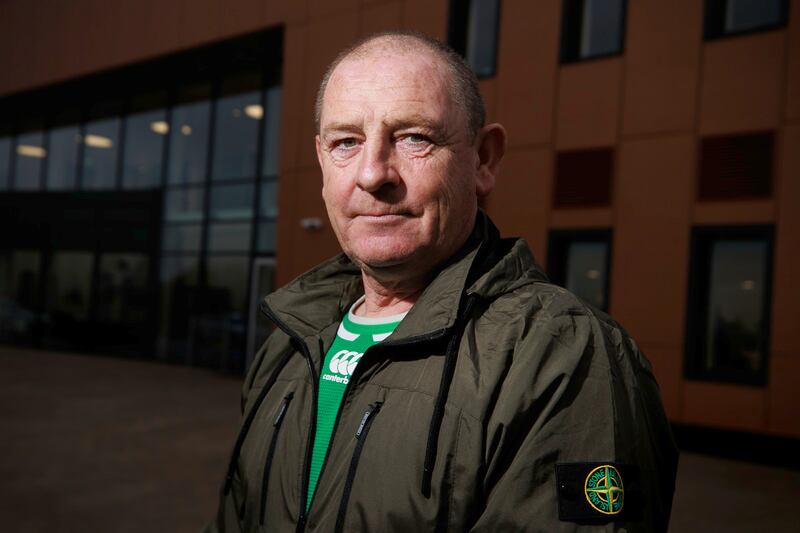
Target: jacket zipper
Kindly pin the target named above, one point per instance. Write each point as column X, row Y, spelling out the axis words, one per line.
column 361, row 437
column 271, row 453
column 353, row 378
column 312, row 425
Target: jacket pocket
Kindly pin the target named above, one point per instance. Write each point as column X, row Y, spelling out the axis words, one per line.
column 361, row 437
column 271, row 453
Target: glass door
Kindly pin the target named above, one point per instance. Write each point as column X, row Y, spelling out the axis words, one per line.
column 261, row 284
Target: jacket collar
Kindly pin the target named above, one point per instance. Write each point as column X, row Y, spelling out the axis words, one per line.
column 486, row 266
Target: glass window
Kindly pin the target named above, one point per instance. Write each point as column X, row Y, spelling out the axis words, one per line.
column 272, row 132
column 5, row 161
column 62, row 163
column 182, row 237
column 229, row 237
column 578, row 260
column 730, row 289
column 267, row 237
column 268, row 205
column 189, row 135
column 146, row 128
column 729, row 17
column 179, row 275
column 184, row 205
column 19, row 295
column 238, row 115
column 230, row 202
column 229, row 276
column 68, row 288
column 592, row 28
column 30, row 154
column 472, row 32
column 101, row 143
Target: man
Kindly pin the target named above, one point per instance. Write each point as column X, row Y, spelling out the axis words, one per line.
column 430, row 378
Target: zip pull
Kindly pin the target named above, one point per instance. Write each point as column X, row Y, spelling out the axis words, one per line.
column 282, row 410
column 373, row 409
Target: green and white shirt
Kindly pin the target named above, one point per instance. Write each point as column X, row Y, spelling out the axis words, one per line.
column 356, row 334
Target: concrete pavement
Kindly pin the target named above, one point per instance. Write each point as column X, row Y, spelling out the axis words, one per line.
column 94, row 444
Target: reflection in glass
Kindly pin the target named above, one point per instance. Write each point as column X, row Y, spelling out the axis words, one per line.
column 62, row 163
column 229, row 237
column 181, row 237
column 189, row 138
column 268, row 206
column 122, row 289
column 184, row 205
column 101, row 142
column 735, row 308
column 601, row 27
column 144, row 146
column 230, row 202
column 236, row 136
column 743, row 15
column 5, row 161
column 272, row 133
column 178, row 277
column 482, row 36
column 30, row 154
column 586, row 271
column 267, row 237
column 228, row 275
column 68, row 289
column 19, row 295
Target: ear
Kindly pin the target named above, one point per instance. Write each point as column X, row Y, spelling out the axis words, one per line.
column 491, row 146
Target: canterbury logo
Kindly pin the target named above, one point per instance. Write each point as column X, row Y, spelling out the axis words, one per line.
column 344, row 362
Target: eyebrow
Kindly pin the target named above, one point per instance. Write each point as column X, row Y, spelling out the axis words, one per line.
column 412, row 121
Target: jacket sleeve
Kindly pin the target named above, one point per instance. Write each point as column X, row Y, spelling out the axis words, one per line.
column 577, row 392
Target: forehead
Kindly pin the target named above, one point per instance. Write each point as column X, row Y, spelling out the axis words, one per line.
column 388, row 81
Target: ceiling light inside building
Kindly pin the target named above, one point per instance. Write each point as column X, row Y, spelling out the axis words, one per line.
column 748, row 285
column 29, row 150
column 98, row 141
column 593, row 274
column 254, row 111
column 186, row 129
column 160, row 127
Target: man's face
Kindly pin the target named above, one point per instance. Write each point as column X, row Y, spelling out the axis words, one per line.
column 398, row 163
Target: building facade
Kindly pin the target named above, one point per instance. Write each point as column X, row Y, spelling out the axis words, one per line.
column 158, row 174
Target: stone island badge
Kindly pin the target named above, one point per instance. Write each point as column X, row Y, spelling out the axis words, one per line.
column 595, row 493
column 604, row 490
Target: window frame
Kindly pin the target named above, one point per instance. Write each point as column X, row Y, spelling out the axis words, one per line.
column 569, row 49
column 558, row 242
column 715, row 11
column 698, row 296
column 458, row 33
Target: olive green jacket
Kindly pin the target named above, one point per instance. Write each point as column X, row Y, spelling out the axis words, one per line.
column 484, row 411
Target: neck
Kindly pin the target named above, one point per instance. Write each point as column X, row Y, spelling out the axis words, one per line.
column 386, row 297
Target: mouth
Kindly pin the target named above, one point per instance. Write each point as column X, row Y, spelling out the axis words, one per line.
column 382, row 218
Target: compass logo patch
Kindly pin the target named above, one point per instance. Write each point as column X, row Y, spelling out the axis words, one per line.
column 604, row 490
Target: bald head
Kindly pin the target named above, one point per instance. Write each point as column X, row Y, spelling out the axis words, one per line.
column 462, row 83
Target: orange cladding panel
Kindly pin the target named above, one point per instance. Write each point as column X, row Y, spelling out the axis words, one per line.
column 296, row 110
column 784, row 394
column 786, row 270
column 588, row 104
column 651, row 238
column 661, row 66
column 793, row 75
column 527, row 63
column 520, row 202
column 736, row 407
column 742, row 85
column 381, row 17
column 427, row 16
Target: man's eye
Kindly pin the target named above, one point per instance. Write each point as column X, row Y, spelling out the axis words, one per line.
column 416, row 141
column 345, row 143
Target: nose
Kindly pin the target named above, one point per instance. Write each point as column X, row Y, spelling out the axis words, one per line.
column 377, row 166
